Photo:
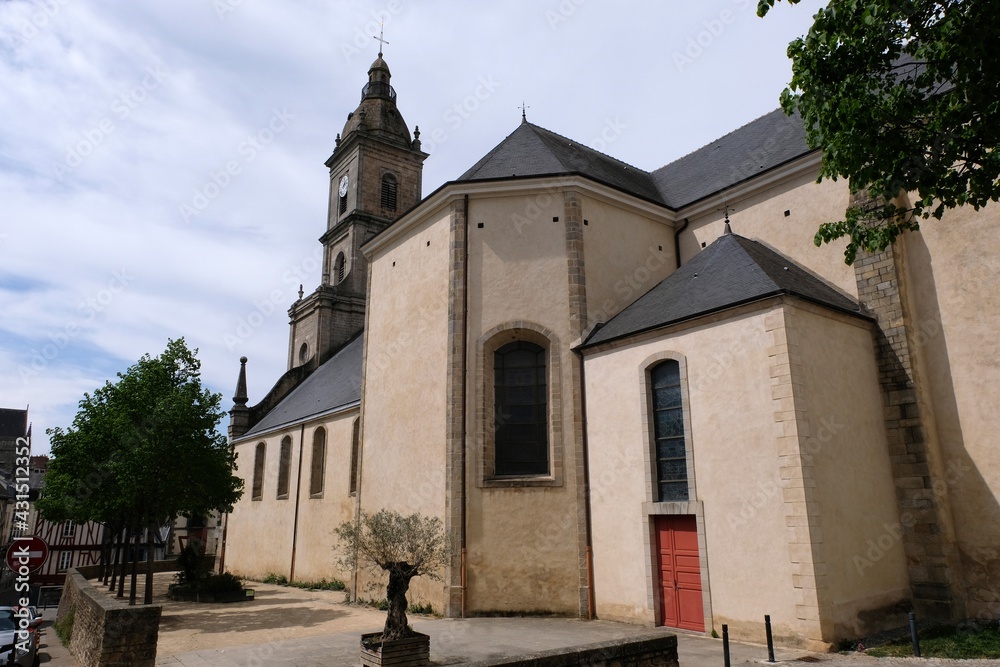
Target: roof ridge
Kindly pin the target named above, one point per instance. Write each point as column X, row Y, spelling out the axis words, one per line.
column 586, row 147
column 720, row 139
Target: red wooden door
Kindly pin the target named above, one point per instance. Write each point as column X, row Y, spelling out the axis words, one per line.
column 679, row 572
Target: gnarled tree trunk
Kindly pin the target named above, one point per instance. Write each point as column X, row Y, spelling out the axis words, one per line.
column 396, row 626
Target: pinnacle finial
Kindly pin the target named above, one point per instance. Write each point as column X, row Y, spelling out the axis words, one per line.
column 379, row 39
column 524, row 115
column 728, row 229
column 241, row 398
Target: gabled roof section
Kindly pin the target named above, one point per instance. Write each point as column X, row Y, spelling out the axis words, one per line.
column 337, row 383
column 531, row 150
column 732, row 271
column 13, row 423
column 758, row 146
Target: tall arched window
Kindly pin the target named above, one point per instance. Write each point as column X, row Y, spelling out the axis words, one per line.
column 318, row 463
column 340, row 267
column 284, row 466
column 389, row 187
column 521, row 416
column 355, row 456
column 258, row 472
column 668, row 431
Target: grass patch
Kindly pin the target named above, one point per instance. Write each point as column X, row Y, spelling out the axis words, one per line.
column 964, row 642
column 383, row 605
column 321, row 585
column 420, row 608
column 64, row 626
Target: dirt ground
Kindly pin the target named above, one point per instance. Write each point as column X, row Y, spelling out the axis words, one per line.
column 276, row 613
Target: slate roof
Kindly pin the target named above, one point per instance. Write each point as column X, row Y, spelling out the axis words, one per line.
column 13, row 423
column 531, row 150
column 334, row 384
column 731, row 271
column 758, row 146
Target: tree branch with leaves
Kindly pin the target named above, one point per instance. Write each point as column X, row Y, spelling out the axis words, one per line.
column 404, row 547
column 901, row 97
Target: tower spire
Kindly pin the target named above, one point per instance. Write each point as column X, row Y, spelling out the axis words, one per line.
column 379, row 39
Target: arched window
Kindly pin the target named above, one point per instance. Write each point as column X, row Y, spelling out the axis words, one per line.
column 284, row 466
column 521, row 415
column 318, row 462
column 258, row 472
column 355, row 455
column 670, row 469
column 389, row 187
column 340, row 267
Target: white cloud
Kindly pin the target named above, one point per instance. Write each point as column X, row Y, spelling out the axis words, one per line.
column 162, row 96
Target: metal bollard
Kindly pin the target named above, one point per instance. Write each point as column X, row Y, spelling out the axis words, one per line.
column 770, row 640
column 913, row 634
column 725, row 645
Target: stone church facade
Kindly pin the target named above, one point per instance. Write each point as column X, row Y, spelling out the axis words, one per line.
column 636, row 396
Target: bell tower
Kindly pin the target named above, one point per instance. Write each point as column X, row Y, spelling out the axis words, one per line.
column 375, row 175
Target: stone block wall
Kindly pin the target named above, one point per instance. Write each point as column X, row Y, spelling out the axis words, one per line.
column 107, row 632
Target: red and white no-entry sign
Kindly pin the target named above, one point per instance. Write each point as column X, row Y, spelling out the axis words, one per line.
column 27, row 551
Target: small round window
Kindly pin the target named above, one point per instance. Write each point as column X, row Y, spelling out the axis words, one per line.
column 303, row 353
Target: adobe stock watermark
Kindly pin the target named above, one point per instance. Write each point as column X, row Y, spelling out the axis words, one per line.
column 121, row 108
column 44, row 13
column 59, row 340
column 878, row 547
column 609, row 134
column 247, row 151
column 711, row 30
column 630, row 286
column 363, row 34
column 562, row 13
column 300, row 273
column 769, row 489
column 459, row 112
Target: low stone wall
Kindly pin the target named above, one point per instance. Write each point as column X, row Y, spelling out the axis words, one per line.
column 106, row 631
column 168, row 565
column 644, row 651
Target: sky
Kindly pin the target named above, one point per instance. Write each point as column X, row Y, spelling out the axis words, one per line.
column 161, row 163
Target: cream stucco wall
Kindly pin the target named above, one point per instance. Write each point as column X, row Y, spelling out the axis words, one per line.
column 860, row 527
column 952, row 270
column 626, row 254
column 759, row 547
column 260, row 534
column 735, row 473
column 522, row 538
column 405, row 373
column 761, row 216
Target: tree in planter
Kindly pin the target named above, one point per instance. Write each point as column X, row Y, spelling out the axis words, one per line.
column 403, row 546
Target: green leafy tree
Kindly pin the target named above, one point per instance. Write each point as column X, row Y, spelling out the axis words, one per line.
column 403, row 546
column 142, row 451
column 902, row 96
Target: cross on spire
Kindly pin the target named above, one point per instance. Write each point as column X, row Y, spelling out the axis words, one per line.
column 379, row 39
column 524, row 116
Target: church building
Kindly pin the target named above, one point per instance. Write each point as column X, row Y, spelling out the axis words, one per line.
column 639, row 396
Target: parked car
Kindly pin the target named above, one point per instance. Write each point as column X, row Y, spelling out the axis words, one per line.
column 24, row 649
column 34, row 622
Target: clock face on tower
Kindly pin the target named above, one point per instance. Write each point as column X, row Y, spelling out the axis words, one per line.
column 344, row 182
